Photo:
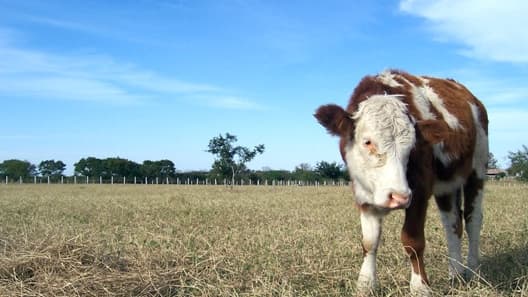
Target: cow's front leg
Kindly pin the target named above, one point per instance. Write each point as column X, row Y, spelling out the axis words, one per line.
column 413, row 241
column 371, row 230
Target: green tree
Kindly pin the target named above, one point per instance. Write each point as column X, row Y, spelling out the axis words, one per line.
column 230, row 159
column 329, row 170
column 91, row 167
column 519, row 163
column 119, row 167
column 161, row 168
column 304, row 172
column 51, row 168
column 492, row 162
column 17, row 168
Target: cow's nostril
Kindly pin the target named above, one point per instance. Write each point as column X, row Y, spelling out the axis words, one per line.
column 399, row 197
column 397, row 200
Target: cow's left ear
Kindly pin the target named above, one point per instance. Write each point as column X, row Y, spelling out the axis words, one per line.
column 433, row 131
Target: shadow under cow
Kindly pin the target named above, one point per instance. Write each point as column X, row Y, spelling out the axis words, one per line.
column 507, row 271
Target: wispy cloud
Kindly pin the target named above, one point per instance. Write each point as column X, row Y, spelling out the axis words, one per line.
column 490, row 30
column 231, row 102
column 96, row 78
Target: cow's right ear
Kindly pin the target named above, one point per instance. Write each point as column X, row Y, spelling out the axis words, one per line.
column 335, row 119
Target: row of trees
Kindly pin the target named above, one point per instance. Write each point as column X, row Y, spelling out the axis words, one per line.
column 230, row 163
column 118, row 168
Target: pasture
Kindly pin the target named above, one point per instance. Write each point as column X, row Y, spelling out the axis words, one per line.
column 168, row 240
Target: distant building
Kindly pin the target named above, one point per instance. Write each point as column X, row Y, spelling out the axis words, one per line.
column 495, row 173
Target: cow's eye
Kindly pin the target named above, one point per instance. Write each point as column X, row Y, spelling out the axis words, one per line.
column 369, row 145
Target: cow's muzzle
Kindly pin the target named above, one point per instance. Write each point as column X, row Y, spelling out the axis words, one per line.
column 397, row 200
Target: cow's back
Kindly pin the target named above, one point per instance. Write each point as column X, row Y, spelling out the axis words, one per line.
column 464, row 148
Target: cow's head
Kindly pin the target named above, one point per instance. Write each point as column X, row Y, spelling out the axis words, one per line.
column 376, row 143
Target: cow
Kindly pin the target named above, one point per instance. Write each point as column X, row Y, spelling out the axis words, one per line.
column 404, row 139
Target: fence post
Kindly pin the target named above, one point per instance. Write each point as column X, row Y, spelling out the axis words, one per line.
column 20, row 180
column 75, row 179
column 34, row 179
column 146, row 180
column 157, row 179
column 7, row 180
column 167, row 180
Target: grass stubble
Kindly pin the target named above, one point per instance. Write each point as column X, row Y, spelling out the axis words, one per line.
column 163, row 240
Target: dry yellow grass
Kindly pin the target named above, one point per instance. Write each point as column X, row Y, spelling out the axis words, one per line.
column 115, row 240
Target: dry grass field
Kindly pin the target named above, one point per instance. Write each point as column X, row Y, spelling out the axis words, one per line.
column 116, row 240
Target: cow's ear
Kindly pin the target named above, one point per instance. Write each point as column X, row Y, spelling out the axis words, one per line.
column 335, row 119
column 433, row 131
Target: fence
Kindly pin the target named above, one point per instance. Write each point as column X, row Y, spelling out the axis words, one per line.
column 206, row 181
column 169, row 181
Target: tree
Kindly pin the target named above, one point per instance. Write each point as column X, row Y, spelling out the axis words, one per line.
column 492, row 162
column 161, row 168
column 17, row 169
column 51, row 168
column 304, row 172
column 230, row 160
column 91, row 167
column 119, row 167
column 519, row 163
column 329, row 170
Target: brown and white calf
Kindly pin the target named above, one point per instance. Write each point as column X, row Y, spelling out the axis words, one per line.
column 404, row 139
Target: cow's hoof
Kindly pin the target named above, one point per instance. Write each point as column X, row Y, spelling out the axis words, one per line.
column 366, row 287
column 419, row 288
column 470, row 274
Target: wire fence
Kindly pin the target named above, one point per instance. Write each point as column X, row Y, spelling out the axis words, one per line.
column 169, row 181
column 506, row 183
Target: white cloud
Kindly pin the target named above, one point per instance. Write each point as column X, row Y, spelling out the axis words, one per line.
column 96, row 78
column 489, row 29
column 230, row 102
column 227, row 102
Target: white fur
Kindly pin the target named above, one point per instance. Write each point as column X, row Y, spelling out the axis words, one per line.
column 449, row 219
column 420, row 99
column 473, row 230
column 438, row 151
column 474, row 225
column 480, row 156
column 418, row 287
column 438, row 103
column 422, row 103
column 371, row 231
column 383, row 120
column 387, row 78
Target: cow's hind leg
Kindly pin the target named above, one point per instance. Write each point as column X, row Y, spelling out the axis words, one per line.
column 473, row 196
column 413, row 241
column 451, row 215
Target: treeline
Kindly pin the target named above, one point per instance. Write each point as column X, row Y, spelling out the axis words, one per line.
column 116, row 168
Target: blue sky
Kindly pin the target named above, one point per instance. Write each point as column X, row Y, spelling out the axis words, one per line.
column 150, row 80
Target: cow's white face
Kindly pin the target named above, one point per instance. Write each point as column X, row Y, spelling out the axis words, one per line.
column 378, row 153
